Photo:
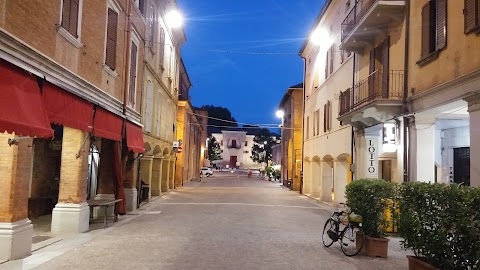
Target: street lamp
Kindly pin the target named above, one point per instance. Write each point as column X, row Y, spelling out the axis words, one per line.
column 280, row 114
column 321, row 38
column 174, row 18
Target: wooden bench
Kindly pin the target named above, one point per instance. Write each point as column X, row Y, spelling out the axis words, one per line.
column 103, row 204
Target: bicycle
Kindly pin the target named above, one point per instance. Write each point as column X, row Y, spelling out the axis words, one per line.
column 351, row 237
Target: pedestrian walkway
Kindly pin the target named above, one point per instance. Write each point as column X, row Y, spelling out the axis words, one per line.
column 219, row 223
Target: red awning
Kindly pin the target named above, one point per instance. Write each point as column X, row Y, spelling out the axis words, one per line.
column 107, row 125
column 67, row 109
column 134, row 138
column 21, row 106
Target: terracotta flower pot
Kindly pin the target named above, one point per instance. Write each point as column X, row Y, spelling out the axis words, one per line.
column 375, row 247
column 415, row 263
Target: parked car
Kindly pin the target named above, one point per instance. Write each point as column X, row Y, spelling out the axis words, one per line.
column 206, row 171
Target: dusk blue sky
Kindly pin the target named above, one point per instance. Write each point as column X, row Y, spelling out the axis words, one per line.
column 243, row 55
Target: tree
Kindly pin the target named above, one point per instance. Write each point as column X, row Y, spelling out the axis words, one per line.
column 215, row 113
column 214, row 152
column 262, row 146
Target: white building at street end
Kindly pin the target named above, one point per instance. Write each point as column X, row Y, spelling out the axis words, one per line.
column 236, row 149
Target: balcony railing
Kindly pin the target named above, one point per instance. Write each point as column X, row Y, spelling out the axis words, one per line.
column 355, row 15
column 376, row 86
column 229, row 146
column 362, row 7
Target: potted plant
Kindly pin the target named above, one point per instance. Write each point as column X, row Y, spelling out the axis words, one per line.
column 370, row 198
column 441, row 224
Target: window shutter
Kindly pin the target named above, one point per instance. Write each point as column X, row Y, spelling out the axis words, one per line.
column 342, row 56
column 318, row 122
column 133, row 75
column 308, row 127
column 371, row 76
column 66, row 14
column 469, row 15
column 441, row 24
column 329, row 114
column 162, row 47
column 141, row 6
column 152, row 28
column 159, row 114
column 477, row 14
column 149, row 107
column 385, row 67
column 111, row 50
column 74, row 8
column 332, row 50
column 325, row 118
column 426, row 30
column 326, row 65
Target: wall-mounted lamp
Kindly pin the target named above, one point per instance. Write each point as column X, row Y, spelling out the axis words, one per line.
column 139, row 156
column 12, row 141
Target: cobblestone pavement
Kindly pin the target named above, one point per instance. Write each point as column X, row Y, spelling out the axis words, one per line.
column 219, row 223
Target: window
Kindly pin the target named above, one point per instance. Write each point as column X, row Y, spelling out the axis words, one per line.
column 326, row 63
column 327, row 117
column 318, row 121
column 314, row 122
column 148, row 107
column 111, row 47
column 332, row 54
column 246, row 143
column 342, row 56
column 347, row 6
column 133, row 75
column 434, row 28
column 472, row 16
column 70, row 16
column 159, row 114
column 161, row 55
column 308, row 127
column 170, row 64
column 151, row 22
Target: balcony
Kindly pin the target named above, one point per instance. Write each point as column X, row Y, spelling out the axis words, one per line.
column 366, row 20
column 374, row 100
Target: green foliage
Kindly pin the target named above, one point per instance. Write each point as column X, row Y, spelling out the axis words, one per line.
column 214, row 151
column 369, row 198
column 261, row 151
column 215, row 113
column 442, row 224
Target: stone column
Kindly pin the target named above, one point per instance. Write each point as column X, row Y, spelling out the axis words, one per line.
column 16, row 230
column 474, row 111
column 130, row 183
column 71, row 214
column 165, row 176
column 106, row 178
column 341, row 169
column 156, row 176
column 327, row 180
column 171, row 174
column 425, row 150
column 146, row 165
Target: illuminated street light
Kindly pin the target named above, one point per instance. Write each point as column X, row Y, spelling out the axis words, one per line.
column 174, row 18
column 280, row 114
column 321, row 38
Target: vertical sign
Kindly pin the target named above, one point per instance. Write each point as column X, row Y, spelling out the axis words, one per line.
column 371, row 157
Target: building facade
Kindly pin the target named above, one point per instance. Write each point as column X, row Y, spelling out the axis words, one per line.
column 71, row 73
column 161, row 82
column 413, row 96
column 375, row 103
column 327, row 141
column 236, row 149
column 443, row 91
column 292, row 136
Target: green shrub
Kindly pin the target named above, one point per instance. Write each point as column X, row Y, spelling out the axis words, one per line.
column 442, row 224
column 370, row 198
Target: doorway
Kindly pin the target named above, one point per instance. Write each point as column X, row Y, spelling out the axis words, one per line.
column 461, row 165
column 387, row 170
column 233, row 161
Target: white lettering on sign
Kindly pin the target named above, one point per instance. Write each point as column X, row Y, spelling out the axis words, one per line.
column 371, row 158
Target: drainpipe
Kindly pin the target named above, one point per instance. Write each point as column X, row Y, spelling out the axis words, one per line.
column 128, row 22
column 352, row 154
column 303, row 122
column 406, row 121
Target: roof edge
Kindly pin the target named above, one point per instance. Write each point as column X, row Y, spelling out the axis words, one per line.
column 317, row 21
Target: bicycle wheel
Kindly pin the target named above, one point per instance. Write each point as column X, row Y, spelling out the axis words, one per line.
column 351, row 240
column 329, row 225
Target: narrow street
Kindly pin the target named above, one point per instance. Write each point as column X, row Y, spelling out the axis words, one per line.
column 223, row 222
